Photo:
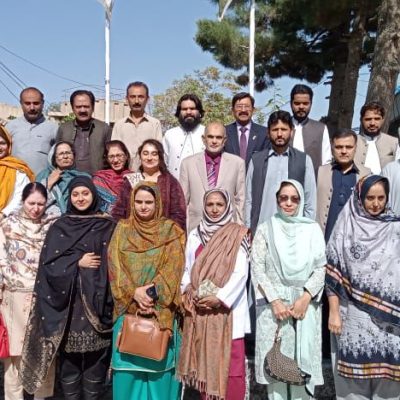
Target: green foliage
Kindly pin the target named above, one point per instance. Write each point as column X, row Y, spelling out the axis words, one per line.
column 302, row 39
column 214, row 88
column 68, row 117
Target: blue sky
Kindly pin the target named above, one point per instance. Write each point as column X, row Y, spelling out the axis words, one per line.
column 151, row 40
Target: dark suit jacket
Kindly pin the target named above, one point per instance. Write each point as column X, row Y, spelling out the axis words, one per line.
column 257, row 140
column 99, row 134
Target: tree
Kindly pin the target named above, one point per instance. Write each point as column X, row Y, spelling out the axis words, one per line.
column 214, row 88
column 385, row 66
column 302, row 39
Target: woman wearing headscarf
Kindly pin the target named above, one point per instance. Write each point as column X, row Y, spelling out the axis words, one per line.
column 72, row 302
column 21, row 239
column 153, row 169
column 14, row 176
column 109, row 181
column 212, row 357
column 58, row 175
column 363, row 287
column 146, row 250
column 288, row 270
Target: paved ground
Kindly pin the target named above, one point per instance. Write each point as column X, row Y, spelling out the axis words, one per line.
column 258, row 392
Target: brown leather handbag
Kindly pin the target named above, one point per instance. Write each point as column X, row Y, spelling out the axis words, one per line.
column 143, row 337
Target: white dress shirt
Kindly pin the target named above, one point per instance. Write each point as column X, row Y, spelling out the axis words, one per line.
column 179, row 144
column 372, row 160
column 233, row 294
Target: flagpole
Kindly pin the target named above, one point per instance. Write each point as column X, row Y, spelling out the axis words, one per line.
column 107, row 72
column 252, row 46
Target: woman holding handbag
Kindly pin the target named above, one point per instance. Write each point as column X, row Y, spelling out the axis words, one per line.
column 212, row 358
column 146, row 259
column 288, row 270
column 22, row 235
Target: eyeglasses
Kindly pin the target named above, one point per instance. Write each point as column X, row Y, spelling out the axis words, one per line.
column 242, row 107
column 283, row 198
column 64, row 154
column 116, row 156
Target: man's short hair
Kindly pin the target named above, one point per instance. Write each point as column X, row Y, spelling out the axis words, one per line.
column 372, row 106
column 344, row 133
column 33, row 89
column 301, row 89
column 241, row 96
column 138, row 84
column 87, row 93
column 282, row 116
column 196, row 101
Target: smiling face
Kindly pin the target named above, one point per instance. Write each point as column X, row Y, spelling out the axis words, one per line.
column 215, row 205
column 149, row 158
column 81, row 198
column 4, row 148
column 64, row 156
column 116, row 158
column 34, row 205
column 145, row 205
column 243, row 111
column 288, row 200
column 375, row 199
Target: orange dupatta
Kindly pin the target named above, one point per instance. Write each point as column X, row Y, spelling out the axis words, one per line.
column 8, row 171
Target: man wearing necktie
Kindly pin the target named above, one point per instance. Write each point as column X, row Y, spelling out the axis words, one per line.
column 212, row 168
column 245, row 137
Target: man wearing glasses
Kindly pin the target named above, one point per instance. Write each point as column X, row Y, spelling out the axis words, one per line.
column 87, row 134
column 244, row 137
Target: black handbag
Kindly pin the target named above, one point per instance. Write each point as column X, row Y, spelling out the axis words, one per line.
column 281, row 367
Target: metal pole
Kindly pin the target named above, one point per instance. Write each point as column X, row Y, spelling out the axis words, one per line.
column 107, row 77
column 252, row 46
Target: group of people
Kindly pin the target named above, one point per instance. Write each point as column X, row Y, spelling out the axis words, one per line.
column 210, row 231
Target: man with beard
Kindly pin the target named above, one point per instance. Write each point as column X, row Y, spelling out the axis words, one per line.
column 87, row 134
column 244, row 137
column 310, row 136
column 269, row 167
column 375, row 149
column 184, row 140
column 138, row 126
column 32, row 135
column 212, row 168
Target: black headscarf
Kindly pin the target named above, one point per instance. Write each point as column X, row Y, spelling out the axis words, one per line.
column 370, row 181
column 85, row 181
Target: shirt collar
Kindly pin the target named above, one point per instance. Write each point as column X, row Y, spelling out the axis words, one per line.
column 248, row 126
column 272, row 152
column 353, row 168
column 215, row 160
column 295, row 122
column 129, row 118
column 37, row 122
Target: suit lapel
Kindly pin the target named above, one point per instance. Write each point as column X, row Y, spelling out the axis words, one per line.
column 202, row 169
column 251, row 143
column 223, row 170
column 234, row 138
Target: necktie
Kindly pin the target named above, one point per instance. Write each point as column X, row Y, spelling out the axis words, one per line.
column 243, row 142
column 212, row 175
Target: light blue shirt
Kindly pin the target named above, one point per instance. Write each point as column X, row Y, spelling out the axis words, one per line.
column 31, row 142
column 277, row 171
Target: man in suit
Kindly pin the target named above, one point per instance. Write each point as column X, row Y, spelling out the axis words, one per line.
column 310, row 136
column 336, row 181
column 245, row 137
column 375, row 149
column 87, row 134
column 212, row 168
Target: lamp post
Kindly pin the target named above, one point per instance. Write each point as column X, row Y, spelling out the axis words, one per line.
column 108, row 6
